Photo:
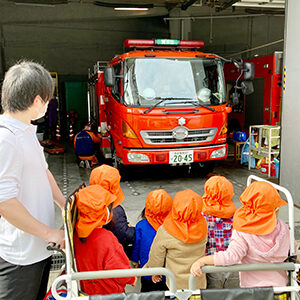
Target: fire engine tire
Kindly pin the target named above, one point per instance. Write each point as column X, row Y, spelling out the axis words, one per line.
column 123, row 170
column 202, row 169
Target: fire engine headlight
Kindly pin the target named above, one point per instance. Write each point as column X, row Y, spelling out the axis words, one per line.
column 138, row 158
column 127, row 131
column 218, row 153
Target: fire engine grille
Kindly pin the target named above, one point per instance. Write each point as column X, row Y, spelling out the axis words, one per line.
column 166, row 136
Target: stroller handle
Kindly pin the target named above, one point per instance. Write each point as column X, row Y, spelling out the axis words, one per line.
column 114, row 274
column 51, row 246
column 241, row 267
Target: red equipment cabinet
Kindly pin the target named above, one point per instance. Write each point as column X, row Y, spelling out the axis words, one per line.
column 167, row 104
column 263, row 106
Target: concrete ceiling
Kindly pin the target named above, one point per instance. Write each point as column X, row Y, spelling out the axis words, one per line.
column 218, row 5
column 12, row 11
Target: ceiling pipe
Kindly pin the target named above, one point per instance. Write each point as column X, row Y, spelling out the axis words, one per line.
column 125, row 5
column 187, row 4
column 219, row 17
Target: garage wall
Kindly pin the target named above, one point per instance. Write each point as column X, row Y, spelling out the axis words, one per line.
column 227, row 33
column 72, row 47
column 290, row 121
column 69, row 40
column 233, row 35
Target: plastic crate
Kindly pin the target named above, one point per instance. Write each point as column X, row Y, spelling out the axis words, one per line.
column 265, row 169
column 57, row 261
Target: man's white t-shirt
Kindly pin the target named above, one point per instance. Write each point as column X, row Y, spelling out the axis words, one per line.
column 23, row 176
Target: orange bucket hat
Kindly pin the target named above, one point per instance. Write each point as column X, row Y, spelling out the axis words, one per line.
column 92, row 202
column 217, row 199
column 157, row 207
column 257, row 215
column 185, row 221
column 109, row 178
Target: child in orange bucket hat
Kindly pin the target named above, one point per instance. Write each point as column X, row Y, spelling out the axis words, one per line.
column 259, row 236
column 158, row 204
column 95, row 247
column 109, row 178
column 180, row 239
column 218, row 210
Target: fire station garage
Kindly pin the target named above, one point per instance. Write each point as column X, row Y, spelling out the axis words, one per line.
column 169, row 92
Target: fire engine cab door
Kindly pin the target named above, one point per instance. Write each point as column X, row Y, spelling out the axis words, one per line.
column 113, row 107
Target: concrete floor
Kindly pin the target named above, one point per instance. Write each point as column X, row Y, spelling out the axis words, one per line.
column 145, row 179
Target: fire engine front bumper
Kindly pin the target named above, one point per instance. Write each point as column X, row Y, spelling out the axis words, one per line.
column 174, row 156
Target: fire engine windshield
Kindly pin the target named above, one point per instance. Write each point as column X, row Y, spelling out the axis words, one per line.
column 173, row 82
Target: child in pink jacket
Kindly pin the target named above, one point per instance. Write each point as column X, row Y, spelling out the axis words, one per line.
column 259, row 237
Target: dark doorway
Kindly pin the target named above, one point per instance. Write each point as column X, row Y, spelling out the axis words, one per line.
column 254, row 104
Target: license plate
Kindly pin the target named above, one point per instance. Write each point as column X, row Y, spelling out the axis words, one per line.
column 181, row 157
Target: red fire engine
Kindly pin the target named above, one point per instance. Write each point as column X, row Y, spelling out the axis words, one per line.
column 263, row 106
column 162, row 102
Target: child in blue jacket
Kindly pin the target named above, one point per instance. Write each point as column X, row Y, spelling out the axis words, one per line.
column 158, row 204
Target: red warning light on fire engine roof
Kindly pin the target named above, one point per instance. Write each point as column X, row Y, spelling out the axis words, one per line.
column 160, row 43
column 131, row 43
column 191, row 44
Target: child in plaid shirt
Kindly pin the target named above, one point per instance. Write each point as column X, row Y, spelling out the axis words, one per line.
column 218, row 210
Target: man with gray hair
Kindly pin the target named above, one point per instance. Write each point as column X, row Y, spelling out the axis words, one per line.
column 27, row 187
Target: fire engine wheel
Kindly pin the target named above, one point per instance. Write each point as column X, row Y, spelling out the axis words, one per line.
column 118, row 165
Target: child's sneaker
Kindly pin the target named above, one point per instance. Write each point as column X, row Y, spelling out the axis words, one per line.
column 81, row 164
column 87, row 164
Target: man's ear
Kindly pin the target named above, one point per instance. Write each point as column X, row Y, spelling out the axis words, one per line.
column 36, row 99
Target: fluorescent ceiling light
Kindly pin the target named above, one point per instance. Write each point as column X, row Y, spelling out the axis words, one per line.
column 261, row 3
column 264, row 1
column 130, row 8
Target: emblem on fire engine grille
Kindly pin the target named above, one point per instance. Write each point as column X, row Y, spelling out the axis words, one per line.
column 180, row 133
column 181, row 121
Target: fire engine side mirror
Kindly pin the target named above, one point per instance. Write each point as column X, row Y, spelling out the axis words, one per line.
column 109, row 76
column 238, row 62
column 248, row 71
